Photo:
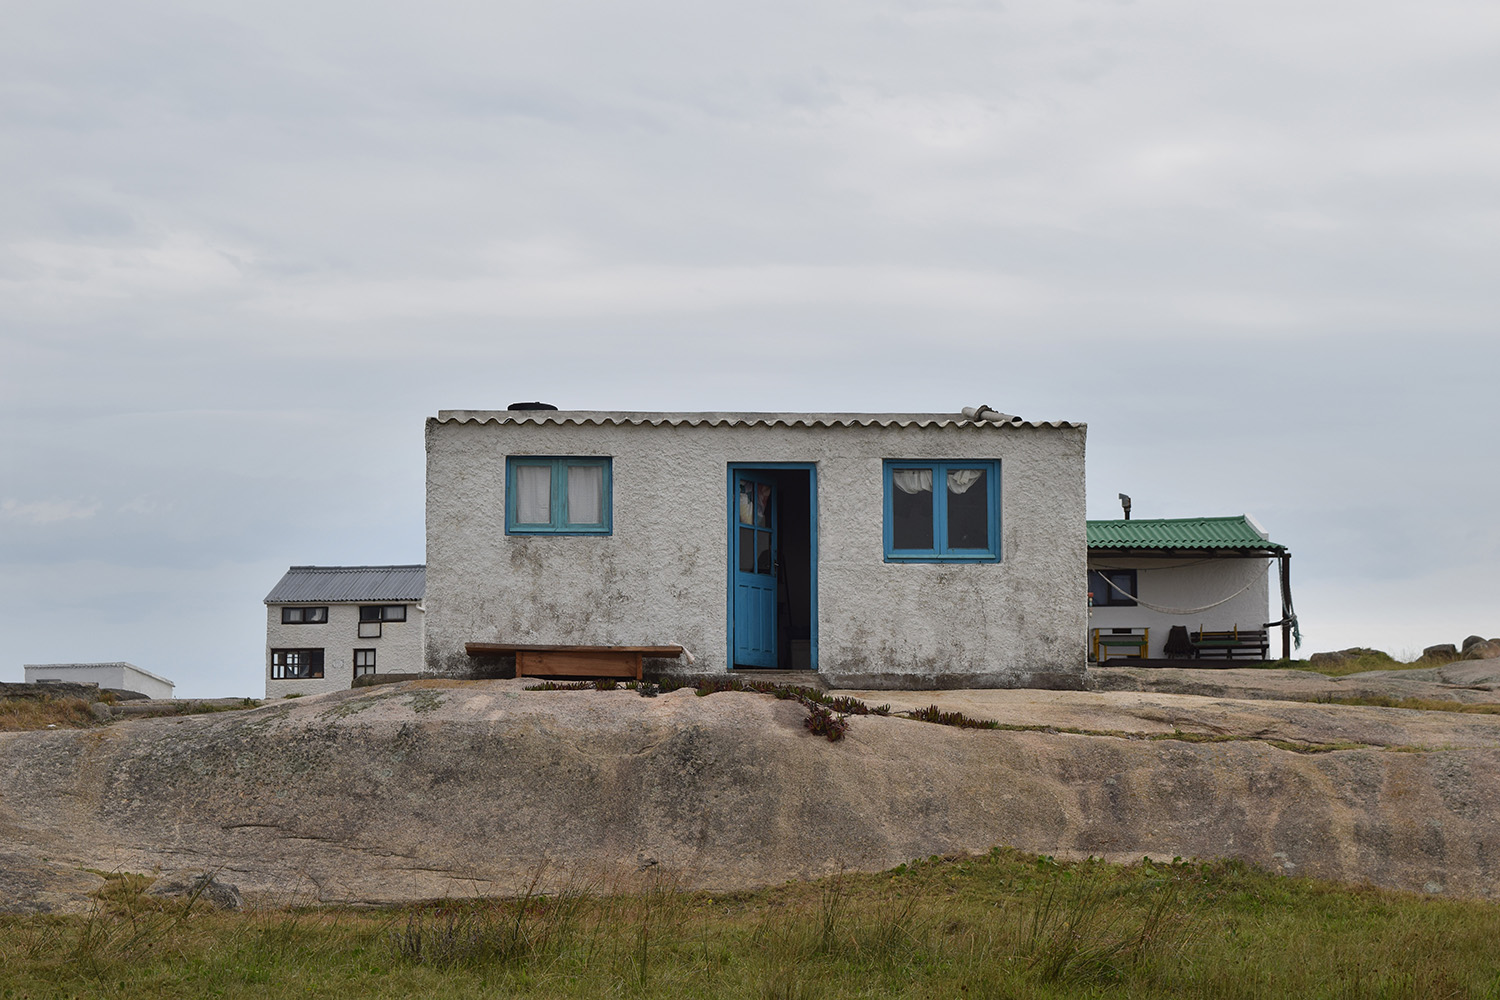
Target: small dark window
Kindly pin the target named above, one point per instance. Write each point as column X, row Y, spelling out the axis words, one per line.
column 364, row 662
column 946, row 511
column 304, row 616
column 1112, row 588
column 296, row 664
column 382, row 613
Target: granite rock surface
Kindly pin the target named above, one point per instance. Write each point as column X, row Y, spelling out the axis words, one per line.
column 433, row 789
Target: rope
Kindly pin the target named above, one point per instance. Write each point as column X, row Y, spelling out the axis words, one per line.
column 1176, row 611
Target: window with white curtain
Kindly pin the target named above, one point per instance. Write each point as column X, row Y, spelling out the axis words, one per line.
column 568, row 496
column 942, row 511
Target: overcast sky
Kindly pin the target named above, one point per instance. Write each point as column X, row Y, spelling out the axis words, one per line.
column 245, row 251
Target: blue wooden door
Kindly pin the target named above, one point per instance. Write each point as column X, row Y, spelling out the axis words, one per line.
column 754, row 571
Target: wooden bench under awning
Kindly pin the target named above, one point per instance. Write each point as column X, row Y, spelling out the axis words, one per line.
column 574, row 661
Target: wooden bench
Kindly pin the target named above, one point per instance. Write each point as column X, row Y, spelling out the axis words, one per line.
column 574, row 661
column 1106, row 640
column 1227, row 644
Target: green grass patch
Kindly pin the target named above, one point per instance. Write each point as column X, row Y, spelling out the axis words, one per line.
column 1372, row 659
column 1005, row 925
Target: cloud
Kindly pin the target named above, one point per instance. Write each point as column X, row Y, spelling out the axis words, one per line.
column 248, row 251
column 41, row 512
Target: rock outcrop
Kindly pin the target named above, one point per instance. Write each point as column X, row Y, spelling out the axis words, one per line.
column 436, row 789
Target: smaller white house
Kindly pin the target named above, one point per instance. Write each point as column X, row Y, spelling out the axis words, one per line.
column 327, row 625
column 1200, row 574
column 109, row 676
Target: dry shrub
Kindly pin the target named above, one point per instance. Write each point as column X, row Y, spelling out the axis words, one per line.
column 18, row 714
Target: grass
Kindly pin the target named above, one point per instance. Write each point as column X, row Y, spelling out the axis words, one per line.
column 1416, row 704
column 1367, row 659
column 1006, row 925
column 45, row 712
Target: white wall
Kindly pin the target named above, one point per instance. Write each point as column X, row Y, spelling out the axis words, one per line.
column 398, row 650
column 661, row 577
column 120, row 676
column 1191, row 583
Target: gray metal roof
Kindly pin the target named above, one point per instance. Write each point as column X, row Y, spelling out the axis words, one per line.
column 335, row 584
column 654, row 419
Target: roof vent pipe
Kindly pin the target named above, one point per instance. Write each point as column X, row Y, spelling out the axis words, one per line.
column 977, row 413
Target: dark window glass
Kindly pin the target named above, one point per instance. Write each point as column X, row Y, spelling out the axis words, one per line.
column 747, row 550
column 382, row 613
column 911, row 519
column 968, row 509
column 1105, row 596
column 304, row 616
column 296, row 664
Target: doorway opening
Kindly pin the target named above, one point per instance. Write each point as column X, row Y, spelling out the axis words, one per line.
column 773, row 559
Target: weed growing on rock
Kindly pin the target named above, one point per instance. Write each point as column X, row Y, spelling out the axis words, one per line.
column 822, row 722
column 934, row 714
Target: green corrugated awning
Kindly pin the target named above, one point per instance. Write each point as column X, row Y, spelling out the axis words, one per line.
column 1236, row 533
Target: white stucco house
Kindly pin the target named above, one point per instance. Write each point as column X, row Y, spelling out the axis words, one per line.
column 879, row 549
column 119, row 676
column 327, row 625
column 1204, row 574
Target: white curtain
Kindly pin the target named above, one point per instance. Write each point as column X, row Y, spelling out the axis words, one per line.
column 533, row 494
column 912, row 480
column 585, row 494
column 959, row 480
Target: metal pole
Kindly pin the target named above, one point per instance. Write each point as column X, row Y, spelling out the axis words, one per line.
column 1286, row 605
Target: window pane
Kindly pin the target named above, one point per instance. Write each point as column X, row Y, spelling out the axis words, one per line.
column 762, row 505
column 968, row 509
column 747, row 503
column 911, row 512
column 747, row 550
column 533, row 494
column 763, row 552
column 585, row 494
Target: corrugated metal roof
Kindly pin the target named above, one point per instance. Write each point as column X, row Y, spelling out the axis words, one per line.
column 1238, row 532
column 302, row 584
column 639, row 418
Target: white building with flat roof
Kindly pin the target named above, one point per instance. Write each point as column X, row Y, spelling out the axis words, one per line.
column 109, row 676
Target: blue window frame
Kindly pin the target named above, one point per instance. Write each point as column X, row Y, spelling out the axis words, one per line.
column 947, row 511
column 558, row 496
